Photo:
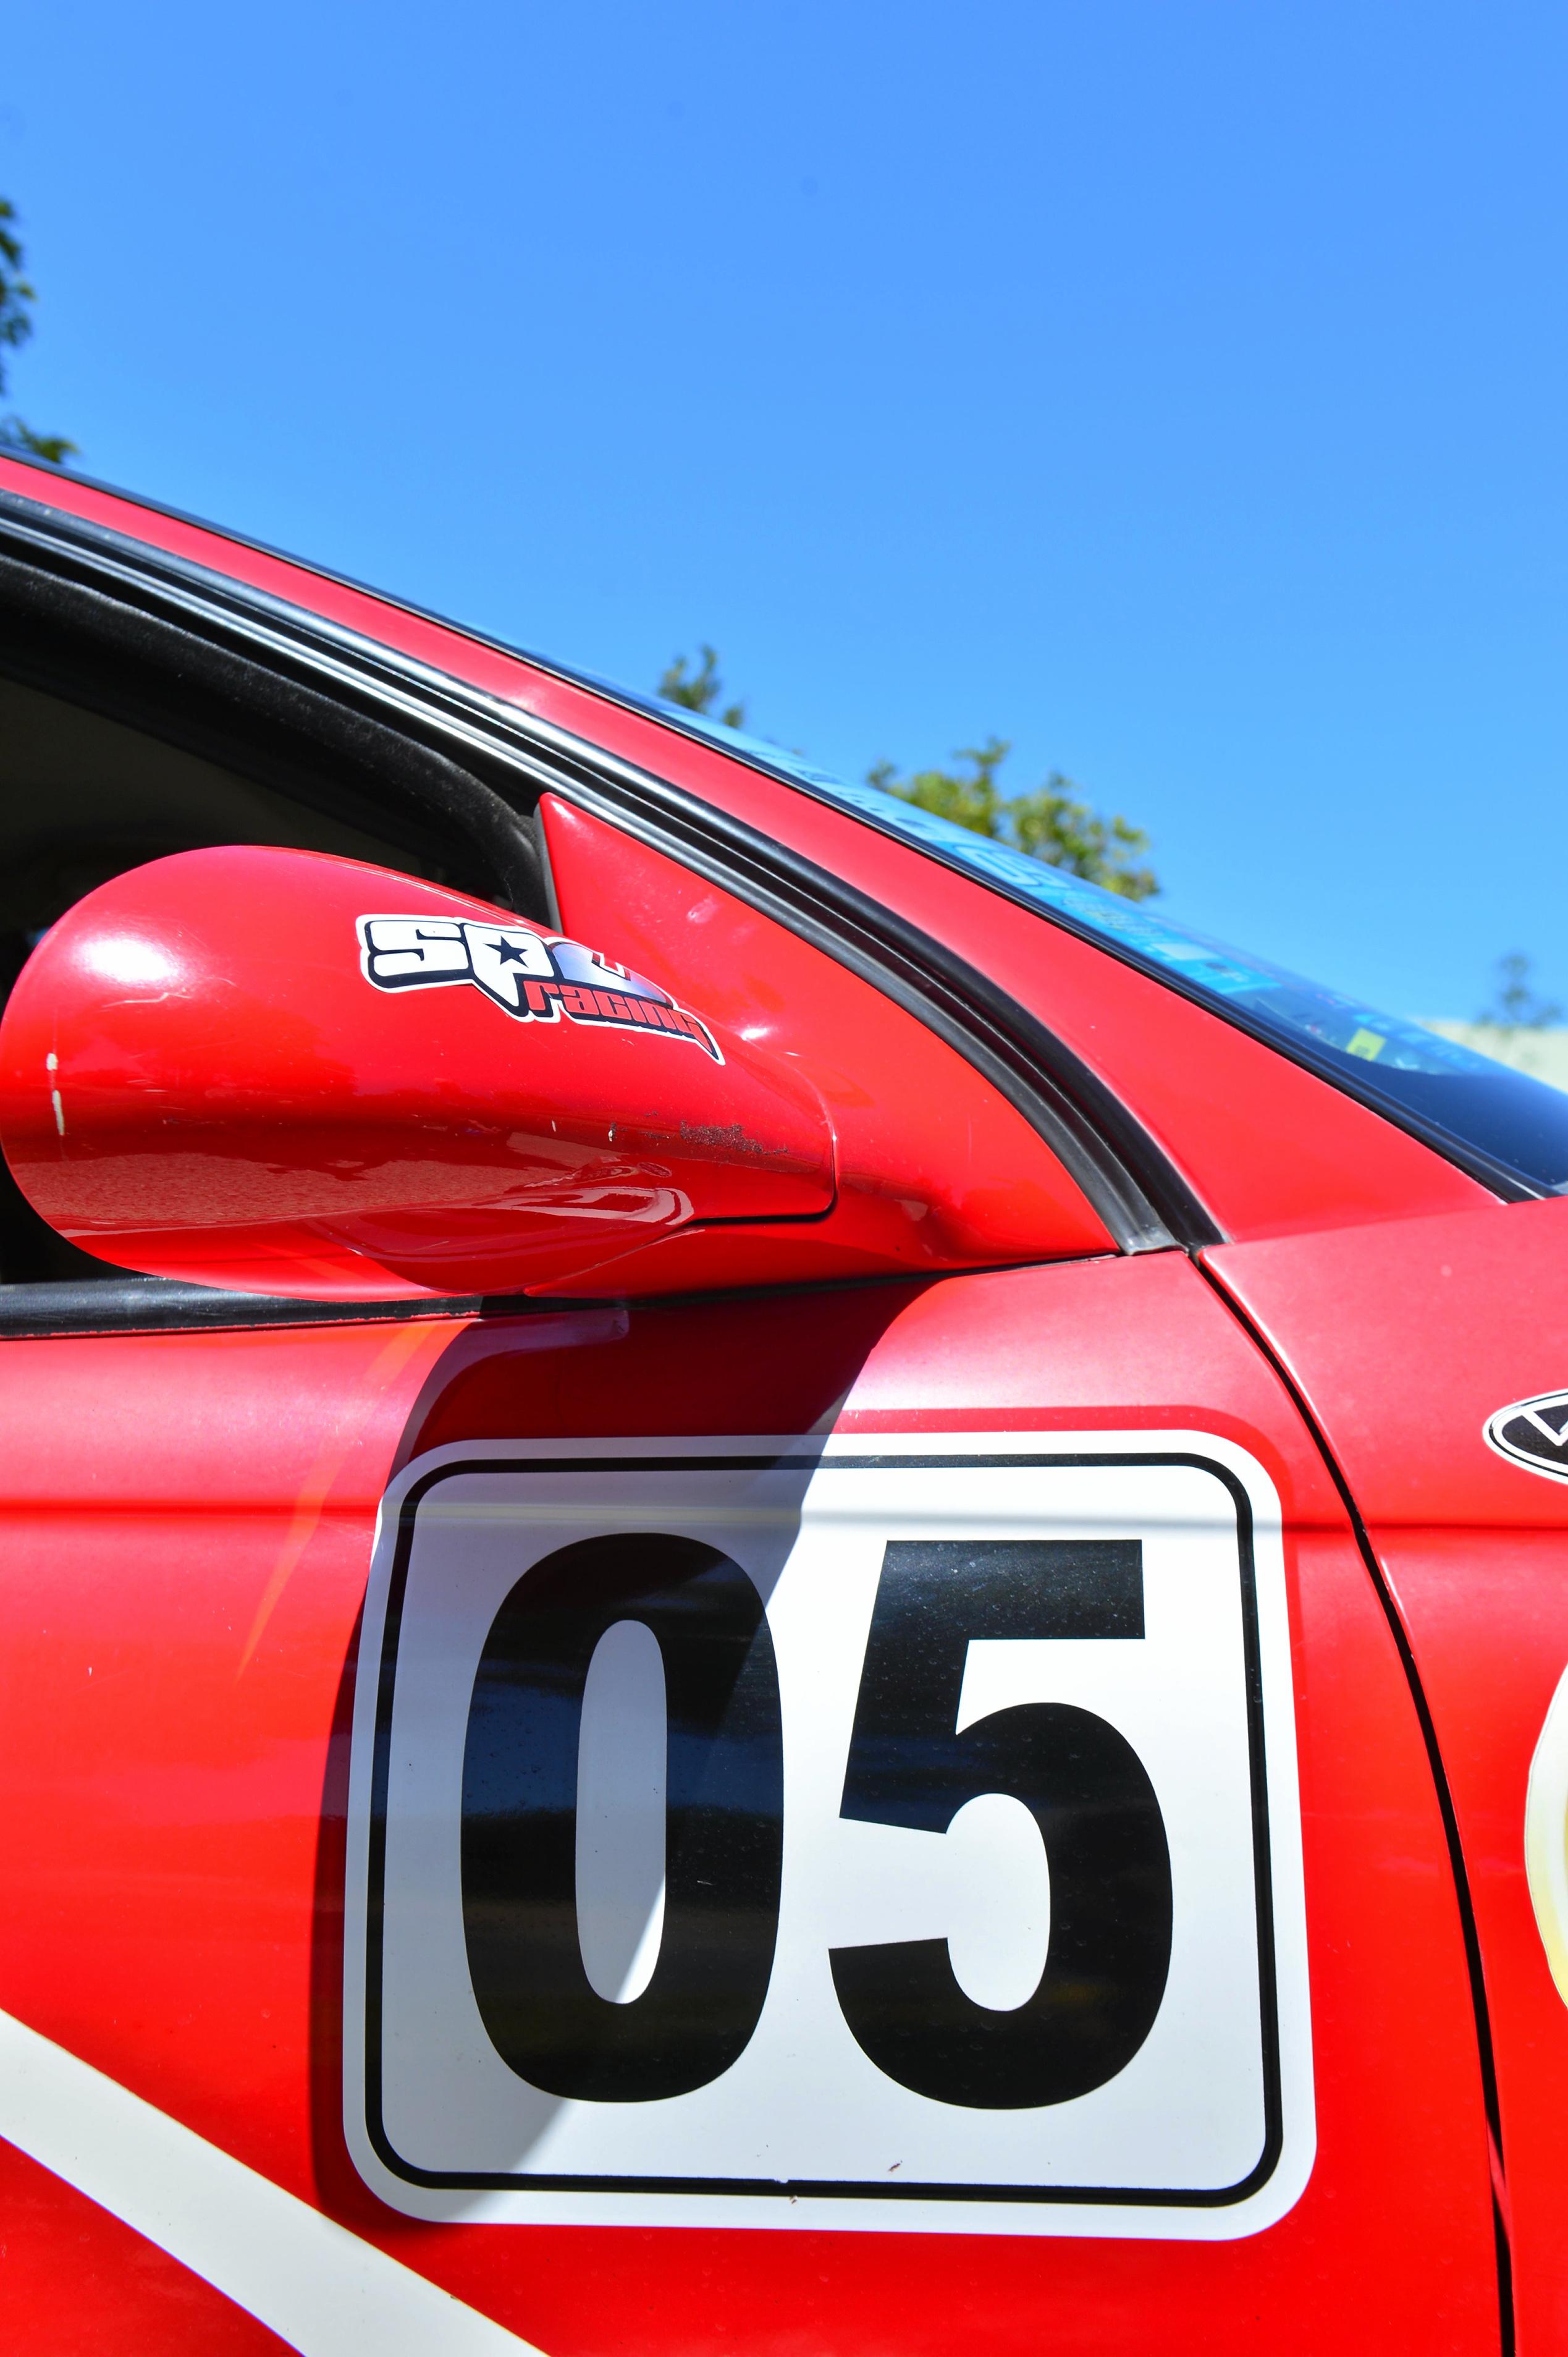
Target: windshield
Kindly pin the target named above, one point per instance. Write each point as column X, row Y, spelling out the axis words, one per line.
column 1505, row 1116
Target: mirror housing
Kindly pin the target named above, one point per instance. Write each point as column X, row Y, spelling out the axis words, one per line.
column 279, row 1073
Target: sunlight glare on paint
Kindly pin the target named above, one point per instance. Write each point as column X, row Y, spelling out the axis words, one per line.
column 124, row 958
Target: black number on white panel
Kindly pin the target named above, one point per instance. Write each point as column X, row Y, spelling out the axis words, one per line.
column 1110, row 1944
column 723, row 1833
column 1088, row 1792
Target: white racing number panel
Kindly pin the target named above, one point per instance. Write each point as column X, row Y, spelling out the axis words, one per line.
column 889, row 1832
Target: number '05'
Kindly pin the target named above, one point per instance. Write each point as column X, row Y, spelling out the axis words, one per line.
column 1087, row 1789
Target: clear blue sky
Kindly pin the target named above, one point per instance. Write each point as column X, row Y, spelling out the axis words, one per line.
column 1176, row 389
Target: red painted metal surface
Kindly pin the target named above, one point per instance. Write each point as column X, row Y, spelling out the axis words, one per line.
column 187, row 1524
column 1406, row 1340
column 74, row 2280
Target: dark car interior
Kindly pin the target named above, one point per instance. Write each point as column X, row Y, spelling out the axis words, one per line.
column 126, row 739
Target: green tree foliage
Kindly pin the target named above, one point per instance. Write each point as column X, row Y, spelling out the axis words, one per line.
column 1518, row 1006
column 700, row 690
column 17, row 299
column 1050, row 824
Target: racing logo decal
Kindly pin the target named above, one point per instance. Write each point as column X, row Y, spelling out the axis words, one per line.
column 1533, row 1433
column 890, row 1837
column 535, row 979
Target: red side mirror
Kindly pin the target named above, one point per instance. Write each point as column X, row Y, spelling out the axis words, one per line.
column 279, row 1073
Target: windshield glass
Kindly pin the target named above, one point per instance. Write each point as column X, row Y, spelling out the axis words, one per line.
column 1505, row 1115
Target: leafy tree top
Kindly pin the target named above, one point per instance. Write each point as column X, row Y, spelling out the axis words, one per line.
column 1518, row 1006
column 18, row 297
column 1050, row 824
column 699, row 690
column 1053, row 823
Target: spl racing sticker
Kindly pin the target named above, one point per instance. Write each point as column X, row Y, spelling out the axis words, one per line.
column 534, row 977
column 893, row 1834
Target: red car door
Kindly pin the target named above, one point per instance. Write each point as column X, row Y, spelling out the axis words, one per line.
column 770, row 1807
column 181, row 1655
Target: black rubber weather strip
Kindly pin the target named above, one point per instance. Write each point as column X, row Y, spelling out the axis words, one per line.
column 151, row 1305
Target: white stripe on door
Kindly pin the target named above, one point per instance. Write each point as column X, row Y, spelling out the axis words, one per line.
column 322, row 2289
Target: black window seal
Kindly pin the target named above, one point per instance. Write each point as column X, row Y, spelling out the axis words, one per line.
column 1146, row 1202
column 124, row 1304
column 151, row 670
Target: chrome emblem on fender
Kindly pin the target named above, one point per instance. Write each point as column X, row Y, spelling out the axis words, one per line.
column 1533, row 1433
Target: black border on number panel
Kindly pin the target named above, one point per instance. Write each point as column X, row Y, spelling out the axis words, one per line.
column 1121, row 2196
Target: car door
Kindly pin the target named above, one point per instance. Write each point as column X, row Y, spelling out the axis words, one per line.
column 770, row 1805
column 180, row 1661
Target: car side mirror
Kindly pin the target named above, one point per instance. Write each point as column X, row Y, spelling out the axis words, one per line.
column 276, row 1071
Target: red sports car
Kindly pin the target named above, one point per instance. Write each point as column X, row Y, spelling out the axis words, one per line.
column 770, row 1584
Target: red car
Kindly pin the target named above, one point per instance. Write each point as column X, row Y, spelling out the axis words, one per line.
column 770, row 1585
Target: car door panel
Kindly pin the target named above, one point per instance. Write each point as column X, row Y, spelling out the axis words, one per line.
column 73, row 2276
column 186, row 1524
column 185, row 1938
column 1105, row 1344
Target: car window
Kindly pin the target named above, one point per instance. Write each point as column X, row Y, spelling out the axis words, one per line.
column 84, row 796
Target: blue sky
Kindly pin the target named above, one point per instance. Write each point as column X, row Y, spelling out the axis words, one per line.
column 1175, row 387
